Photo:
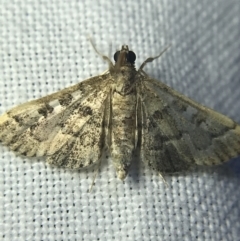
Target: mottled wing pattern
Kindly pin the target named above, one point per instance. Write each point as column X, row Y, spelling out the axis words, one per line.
column 178, row 132
column 60, row 122
column 88, row 138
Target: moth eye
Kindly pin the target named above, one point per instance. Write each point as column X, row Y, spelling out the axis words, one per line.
column 116, row 56
column 131, row 57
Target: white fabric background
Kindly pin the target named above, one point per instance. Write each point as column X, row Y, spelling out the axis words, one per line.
column 44, row 48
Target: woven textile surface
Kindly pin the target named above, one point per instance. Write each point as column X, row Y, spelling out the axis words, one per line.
column 44, row 48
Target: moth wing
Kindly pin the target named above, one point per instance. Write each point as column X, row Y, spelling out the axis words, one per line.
column 85, row 147
column 45, row 126
column 178, row 132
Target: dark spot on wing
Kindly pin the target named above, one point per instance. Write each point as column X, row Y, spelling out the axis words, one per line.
column 157, row 115
column 151, row 124
column 179, row 105
column 45, row 110
column 198, row 118
column 85, row 110
column 65, row 100
column 17, row 118
column 20, row 118
column 49, row 108
column 33, row 126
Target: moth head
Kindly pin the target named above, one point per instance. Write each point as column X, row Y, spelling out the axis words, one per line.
column 124, row 57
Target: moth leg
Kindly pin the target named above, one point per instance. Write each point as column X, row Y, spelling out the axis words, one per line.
column 95, row 175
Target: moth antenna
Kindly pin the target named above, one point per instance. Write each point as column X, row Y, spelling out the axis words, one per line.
column 110, row 50
column 150, row 59
column 104, row 57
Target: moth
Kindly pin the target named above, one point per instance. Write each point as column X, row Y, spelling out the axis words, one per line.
column 122, row 111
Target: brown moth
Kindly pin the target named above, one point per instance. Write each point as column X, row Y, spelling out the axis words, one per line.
column 121, row 111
